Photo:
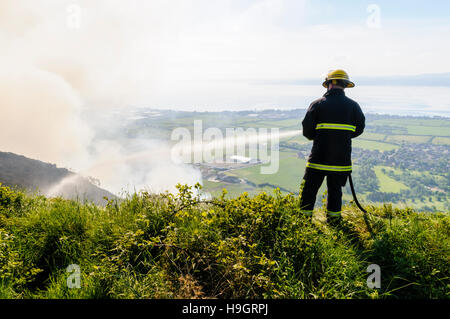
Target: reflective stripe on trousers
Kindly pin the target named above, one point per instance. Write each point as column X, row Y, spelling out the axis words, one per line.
column 331, row 168
column 333, row 214
column 310, row 186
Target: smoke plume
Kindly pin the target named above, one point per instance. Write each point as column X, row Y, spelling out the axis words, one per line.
column 64, row 58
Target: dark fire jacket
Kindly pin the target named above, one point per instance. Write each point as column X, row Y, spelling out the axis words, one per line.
column 332, row 121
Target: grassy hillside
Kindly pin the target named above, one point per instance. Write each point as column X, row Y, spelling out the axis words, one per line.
column 165, row 246
column 32, row 175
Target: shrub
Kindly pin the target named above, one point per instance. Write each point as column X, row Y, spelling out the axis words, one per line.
column 167, row 246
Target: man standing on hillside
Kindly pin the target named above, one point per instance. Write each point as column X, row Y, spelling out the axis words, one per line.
column 331, row 122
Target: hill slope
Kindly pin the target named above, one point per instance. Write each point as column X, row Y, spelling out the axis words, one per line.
column 33, row 175
column 162, row 246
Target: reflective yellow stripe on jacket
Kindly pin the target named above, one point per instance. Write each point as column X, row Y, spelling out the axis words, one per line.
column 333, row 168
column 335, row 126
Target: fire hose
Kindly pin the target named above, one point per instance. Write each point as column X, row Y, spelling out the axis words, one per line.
column 354, row 195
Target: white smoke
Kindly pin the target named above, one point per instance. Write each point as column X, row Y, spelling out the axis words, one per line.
column 142, row 164
column 61, row 58
column 64, row 58
column 40, row 115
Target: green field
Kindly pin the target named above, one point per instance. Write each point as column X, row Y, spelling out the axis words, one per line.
column 408, row 139
column 289, row 175
column 373, row 145
column 372, row 136
column 393, row 141
column 441, row 140
column 413, row 121
column 286, row 124
column 428, row 127
column 388, row 184
column 288, row 178
column 384, row 135
column 429, row 130
column 439, row 206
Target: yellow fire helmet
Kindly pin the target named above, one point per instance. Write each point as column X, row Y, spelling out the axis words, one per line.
column 338, row 75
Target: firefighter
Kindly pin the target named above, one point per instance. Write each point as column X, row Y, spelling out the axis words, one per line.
column 331, row 122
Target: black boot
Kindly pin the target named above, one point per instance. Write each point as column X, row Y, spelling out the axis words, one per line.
column 335, row 221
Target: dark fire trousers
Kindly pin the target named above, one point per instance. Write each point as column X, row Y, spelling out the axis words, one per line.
column 312, row 181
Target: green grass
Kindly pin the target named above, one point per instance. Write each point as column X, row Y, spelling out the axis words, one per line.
column 234, row 190
column 166, row 246
column 405, row 204
column 388, row 184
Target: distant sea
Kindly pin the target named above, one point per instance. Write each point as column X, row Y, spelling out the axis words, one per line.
column 394, row 100
column 405, row 100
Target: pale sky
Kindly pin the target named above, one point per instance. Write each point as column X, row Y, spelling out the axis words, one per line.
column 164, row 53
column 298, row 38
column 222, row 48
